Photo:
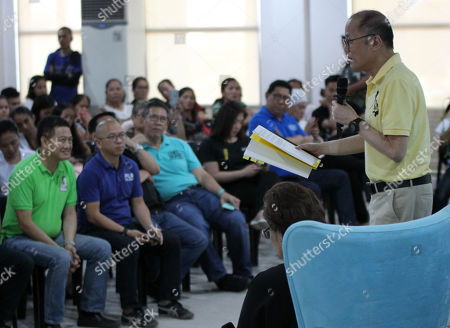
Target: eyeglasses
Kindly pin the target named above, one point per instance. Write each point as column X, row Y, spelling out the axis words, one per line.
column 348, row 42
column 278, row 97
column 266, row 233
column 114, row 137
column 156, row 118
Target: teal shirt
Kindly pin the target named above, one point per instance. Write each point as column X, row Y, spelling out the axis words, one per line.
column 176, row 161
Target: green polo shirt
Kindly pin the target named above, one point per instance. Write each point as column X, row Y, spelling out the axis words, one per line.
column 33, row 187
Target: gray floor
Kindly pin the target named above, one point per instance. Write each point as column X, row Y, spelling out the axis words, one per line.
column 212, row 308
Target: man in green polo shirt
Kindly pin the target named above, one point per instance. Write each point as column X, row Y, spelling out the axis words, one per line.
column 395, row 133
column 41, row 220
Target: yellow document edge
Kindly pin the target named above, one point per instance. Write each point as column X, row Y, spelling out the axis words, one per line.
column 268, row 144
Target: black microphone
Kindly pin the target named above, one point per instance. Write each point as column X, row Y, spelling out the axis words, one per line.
column 342, row 84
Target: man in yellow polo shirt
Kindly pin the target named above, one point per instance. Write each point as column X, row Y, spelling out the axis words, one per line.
column 395, row 133
column 41, row 221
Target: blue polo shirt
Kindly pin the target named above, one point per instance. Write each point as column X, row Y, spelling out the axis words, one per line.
column 113, row 188
column 176, row 161
column 286, row 127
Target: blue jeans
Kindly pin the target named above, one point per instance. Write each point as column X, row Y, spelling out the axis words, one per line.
column 202, row 209
column 57, row 260
column 192, row 240
column 337, row 183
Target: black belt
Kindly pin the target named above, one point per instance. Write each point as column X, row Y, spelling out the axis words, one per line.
column 383, row 186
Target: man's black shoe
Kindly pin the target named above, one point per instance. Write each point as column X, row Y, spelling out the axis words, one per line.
column 93, row 319
column 233, row 283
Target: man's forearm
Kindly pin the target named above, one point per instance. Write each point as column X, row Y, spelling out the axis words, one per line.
column 346, row 146
column 210, row 184
column 142, row 214
column 33, row 231
column 69, row 227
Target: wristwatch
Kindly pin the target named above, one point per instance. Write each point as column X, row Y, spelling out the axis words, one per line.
column 125, row 230
column 70, row 242
column 354, row 125
column 138, row 148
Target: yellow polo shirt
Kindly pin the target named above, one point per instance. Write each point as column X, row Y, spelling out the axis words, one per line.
column 395, row 105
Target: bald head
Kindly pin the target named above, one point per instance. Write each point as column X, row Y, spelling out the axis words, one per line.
column 105, row 126
column 374, row 22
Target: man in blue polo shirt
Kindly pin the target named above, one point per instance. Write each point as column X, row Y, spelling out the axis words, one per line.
column 194, row 196
column 273, row 116
column 110, row 189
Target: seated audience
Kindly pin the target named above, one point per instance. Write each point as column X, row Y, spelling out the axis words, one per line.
column 80, row 150
column 140, row 88
column 221, row 155
column 193, row 243
column 135, row 125
column 81, row 104
column 274, row 309
column 10, row 155
column 37, row 209
column 231, row 91
column 297, row 111
column 43, row 106
column 442, row 192
column 295, row 84
column 4, row 108
column 36, row 87
column 193, row 116
column 165, row 88
column 110, row 188
column 193, row 195
column 273, row 116
column 18, row 267
column 327, row 125
column 24, row 120
column 12, row 96
column 115, row 100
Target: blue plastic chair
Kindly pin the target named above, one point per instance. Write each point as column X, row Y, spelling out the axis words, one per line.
column 386, row 276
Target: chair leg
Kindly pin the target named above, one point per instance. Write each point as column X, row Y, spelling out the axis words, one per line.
column 38, row 296
column 255, row 236
column 14, row 321
column 77, row 282
column 22, row 307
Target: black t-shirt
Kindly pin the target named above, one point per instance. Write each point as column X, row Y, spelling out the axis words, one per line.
column 227, row 155
column 322, row 113
column 268, row 302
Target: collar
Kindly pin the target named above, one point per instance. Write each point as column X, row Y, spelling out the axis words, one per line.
column 42, row 166
column 165, row 141
column 391, row 62
column 266, row 112
column 102, row 161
